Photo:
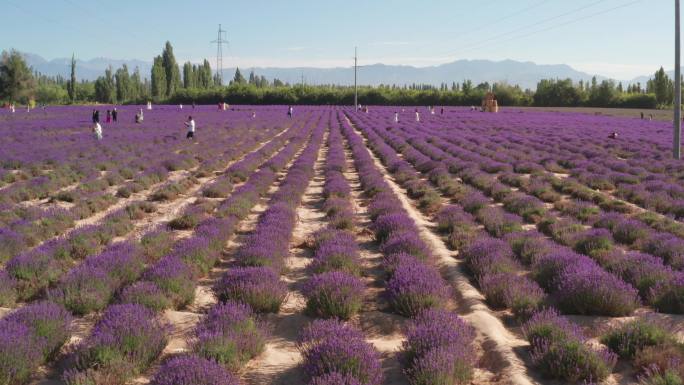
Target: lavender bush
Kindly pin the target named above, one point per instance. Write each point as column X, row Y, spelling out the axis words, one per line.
column 333, row 294
column 259, row 287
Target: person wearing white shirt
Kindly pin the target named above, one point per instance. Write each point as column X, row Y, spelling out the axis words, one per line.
column 190, row 124
column 97, row 130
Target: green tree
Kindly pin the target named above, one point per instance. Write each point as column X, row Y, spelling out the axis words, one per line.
column 105, row 88
column 158, row 77
column 188, row 76
column 662, row 86
column 71, row 84
column 123, row 84
column 16, row 80
column 204, row 79
column 238, row 78
column 557, row 93
column 171, row 70
column 137, row 88
column 467, row 87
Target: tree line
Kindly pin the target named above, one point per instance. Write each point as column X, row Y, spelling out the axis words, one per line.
column 170, row 83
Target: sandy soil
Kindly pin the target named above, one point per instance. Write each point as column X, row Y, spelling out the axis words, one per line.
column 382, row 328
column 280, row 361
column 181, row 322
column 500, row 346
column 173, row 176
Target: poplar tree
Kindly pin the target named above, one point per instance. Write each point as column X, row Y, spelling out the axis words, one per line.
column 158, row 78
column 71, row 84
column 171, row 70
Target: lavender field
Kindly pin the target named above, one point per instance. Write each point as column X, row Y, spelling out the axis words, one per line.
column 339, row 247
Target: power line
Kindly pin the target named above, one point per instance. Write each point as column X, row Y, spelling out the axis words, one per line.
column 96, row 16
column 495, row 37
column 528, row 8
column 576, row 20
column 82, row 31
column 220, row 41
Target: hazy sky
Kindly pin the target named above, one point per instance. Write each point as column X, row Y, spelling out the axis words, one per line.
column 617, row 38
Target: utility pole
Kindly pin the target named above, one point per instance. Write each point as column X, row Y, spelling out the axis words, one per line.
column 677, row 143
column 220, row 41
column 356, row 89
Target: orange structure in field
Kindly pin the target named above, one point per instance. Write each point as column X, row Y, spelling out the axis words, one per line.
column 489, row 103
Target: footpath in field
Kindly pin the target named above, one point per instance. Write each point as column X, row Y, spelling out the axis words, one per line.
column 280, row 361
column 500, row 344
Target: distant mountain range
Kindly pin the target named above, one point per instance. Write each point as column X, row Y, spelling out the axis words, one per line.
column 525, row 74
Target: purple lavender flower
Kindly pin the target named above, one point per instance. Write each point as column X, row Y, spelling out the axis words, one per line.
column 192, row 370
column 259, row 287
column 416, row 287
column 326, row 351
column 20, row 353
column 334, row 294
column 147, row 294
column 230, row 335
column 409, row 243
column 334, row 378
column 587, row 289
column 127, row 333
column 435, row 328
column 175, row 278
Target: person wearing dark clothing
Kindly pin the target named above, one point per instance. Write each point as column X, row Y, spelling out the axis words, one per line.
column 109, row 116
column 96, row 116
column 613, row 135
column 642, row 116
column 115, row 115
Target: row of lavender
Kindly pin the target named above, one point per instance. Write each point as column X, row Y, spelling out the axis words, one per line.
column 175, row 276
column 128, row 166
column 439, row 345
column 28, row 275
column 634, row 166
column 498, row 276
column 335, row 352
column 107, row 355
column 658, row 284
column 230, row 334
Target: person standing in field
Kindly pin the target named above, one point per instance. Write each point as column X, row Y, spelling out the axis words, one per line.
column 97, row 116
column 190, row 124
column 108, row 117
column 441, row 111
column 115, row 115
column 93, row 117
column 290, row 111
column 417, row 115
column 97, row 130
column 396, row 117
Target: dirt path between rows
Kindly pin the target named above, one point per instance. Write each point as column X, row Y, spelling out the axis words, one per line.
column 182, row 321
column 152, row 220
column 381, row 327
column 279, row 364
column 500, row 344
